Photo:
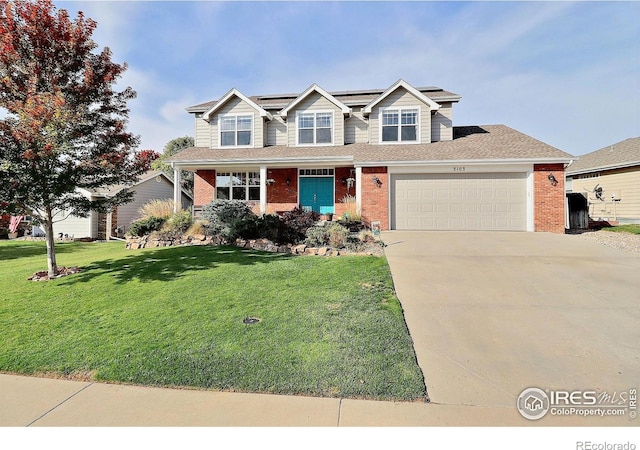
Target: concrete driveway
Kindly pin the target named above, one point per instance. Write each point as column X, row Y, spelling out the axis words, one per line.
column 493, row 313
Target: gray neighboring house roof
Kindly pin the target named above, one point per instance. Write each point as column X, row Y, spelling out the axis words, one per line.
column 622, row 154
column 112, row 190
column 487, row 142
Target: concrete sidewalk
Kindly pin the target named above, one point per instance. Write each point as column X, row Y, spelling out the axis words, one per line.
column 43, row 402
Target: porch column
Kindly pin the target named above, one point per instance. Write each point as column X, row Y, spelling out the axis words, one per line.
column 109, row 224
column 263, row 190
column 359, row 190
column 177, row 191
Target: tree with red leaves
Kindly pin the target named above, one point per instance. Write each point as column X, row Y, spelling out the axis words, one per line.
column 62, row 123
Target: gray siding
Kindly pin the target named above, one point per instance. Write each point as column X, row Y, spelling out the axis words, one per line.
column 276, row 131
column 356, row 128
column 203, row 132
column 316, row 102
column 145, row 192
column 442, row 124
column 400, row 98
column 236, row 105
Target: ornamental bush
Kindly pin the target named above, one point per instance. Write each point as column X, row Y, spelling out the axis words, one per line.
column 334, row 235
column 298, row 221
column 146, row 226
column 226, row 216
column 178, row 222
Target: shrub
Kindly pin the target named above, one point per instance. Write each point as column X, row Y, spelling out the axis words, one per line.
column 298, row 221
column 146, row 226
column 271, row 227
column 334, row 235
column 197, row 227
column 224, row 214
column 178, row 223
column 338, row 235
column 156, row 208
column 316, row 237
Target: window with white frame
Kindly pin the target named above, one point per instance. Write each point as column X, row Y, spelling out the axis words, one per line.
column 399, row 125
column 238, row 185
column 235, row 131
column 315, row 128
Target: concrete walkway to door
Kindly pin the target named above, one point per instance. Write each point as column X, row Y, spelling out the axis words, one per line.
column 493, row 313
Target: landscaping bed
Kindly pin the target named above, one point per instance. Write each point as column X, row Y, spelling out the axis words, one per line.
column 175, row 316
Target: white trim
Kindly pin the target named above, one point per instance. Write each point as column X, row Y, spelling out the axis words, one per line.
column 235, row 115
column 401, row 83
column 263, row 190
column 234, row 92
column 359, row 189
column 315, row 88
column 395, row 163
column 177, row 194
column 531, row 200
column 399, row 109
column 461, row 168
column 314, row 144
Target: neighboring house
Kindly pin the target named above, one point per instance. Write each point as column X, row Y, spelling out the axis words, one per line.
column 609, row 180
column 152, row 185
column 395, row 151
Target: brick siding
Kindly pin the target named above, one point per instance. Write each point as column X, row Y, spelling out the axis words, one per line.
column 548, row 199
column 375, row 199
column 204, row 187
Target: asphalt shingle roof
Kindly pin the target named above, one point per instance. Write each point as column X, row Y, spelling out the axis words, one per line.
column 351, row 98
column 624, row 153
column 487, row 142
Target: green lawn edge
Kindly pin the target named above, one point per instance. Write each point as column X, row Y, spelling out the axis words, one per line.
column 329, row 327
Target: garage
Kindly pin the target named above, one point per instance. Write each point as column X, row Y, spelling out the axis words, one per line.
column 469, row 201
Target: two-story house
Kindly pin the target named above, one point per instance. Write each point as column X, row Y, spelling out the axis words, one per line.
column 395, row 151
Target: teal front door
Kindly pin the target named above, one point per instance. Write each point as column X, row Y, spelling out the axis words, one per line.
column 316, row 193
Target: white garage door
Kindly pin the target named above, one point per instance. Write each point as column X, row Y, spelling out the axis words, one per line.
column 478, row 201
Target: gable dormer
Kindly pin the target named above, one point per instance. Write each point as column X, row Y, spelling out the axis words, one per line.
column 236, row 121
column 315, row 117
column 400, row 115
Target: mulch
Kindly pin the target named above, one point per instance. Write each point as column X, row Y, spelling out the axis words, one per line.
column 62, row 271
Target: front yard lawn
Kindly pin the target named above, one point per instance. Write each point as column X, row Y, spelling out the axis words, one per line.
column 630, row 228
column 174, row 317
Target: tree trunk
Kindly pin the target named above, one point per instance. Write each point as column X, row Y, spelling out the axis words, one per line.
column 51, row 249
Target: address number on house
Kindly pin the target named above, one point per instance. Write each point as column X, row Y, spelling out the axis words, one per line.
column 459, row 169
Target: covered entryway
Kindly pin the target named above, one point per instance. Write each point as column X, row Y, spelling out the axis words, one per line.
column 316, row 193
column 459, row 201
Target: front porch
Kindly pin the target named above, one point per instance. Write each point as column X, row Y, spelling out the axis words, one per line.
column 275, row 190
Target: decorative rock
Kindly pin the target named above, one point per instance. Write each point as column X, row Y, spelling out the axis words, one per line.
column 310, row 251
column 299, row 249
column 322, row 251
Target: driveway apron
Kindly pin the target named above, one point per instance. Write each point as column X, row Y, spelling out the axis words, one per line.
column 493, row 313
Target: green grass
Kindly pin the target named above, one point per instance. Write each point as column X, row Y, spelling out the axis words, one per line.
column 173, row 317
column 631, row 228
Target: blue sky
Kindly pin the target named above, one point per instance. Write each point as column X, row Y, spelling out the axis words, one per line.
column 566, row 73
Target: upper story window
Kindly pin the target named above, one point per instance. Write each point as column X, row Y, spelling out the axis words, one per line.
column 315, row 128
column 235, row 131
column 399, row 125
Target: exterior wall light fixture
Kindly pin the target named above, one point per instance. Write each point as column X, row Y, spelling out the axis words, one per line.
column 552, row 179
